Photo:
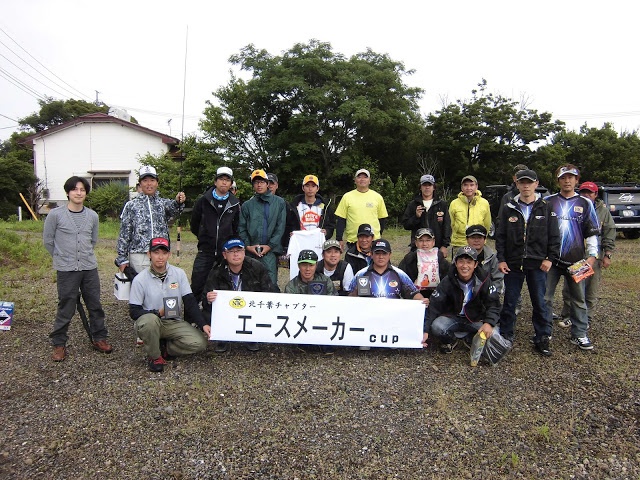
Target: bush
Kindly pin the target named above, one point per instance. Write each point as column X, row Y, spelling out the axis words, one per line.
column 108, row 199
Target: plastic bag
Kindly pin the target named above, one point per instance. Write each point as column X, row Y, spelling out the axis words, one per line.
column 496, row 347
column 477, row 347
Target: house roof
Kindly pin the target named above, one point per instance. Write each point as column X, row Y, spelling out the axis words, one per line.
column 99, row 117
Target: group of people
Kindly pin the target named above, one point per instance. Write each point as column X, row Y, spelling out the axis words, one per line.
column 239, row 245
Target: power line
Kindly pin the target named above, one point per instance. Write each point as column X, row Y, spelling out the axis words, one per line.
column 27, row 73
column 25, row 88
column 8, row 118
column 42, row 65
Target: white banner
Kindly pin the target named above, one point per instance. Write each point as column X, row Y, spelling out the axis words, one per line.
column 303, row 240
column 316, row 320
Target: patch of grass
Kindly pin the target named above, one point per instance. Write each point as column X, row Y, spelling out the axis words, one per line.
column 543, row 433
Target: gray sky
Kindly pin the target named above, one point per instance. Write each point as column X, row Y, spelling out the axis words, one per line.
column 575, row 59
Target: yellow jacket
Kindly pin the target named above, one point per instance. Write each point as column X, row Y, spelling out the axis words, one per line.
column 464, row 214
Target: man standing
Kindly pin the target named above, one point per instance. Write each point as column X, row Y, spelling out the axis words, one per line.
column 70, row 234
column 425, row 211
column 465, row 301
column 469, row 208
column 607, row 242
column 262, row 224
column 159, row 295
column 309, row 209
column 214, row 220
column 237, row 273
column 528, row 243
column 578, row 225
column 339, row 271
column 359, row 255
column 359, row 206
column 145, row 217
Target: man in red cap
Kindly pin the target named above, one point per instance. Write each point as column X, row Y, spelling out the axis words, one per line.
column 607, row 244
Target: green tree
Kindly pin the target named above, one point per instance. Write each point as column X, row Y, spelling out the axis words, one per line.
column 601, row 154
column 487, row 135
column 54, row 112
column 311, row 110
column 16, row 176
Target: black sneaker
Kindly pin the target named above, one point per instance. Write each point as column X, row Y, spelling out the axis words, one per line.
column 221, row 347
column 157, row 364
column 583, row 343
column 327, row 349
column 253, row 347
column 448, row 347
column 542, row 346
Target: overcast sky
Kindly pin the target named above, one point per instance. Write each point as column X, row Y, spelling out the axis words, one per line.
column 575, row 59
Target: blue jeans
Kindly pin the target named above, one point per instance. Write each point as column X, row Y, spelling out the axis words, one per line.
column 537, row 285
column 445, row 327
column 579, row 319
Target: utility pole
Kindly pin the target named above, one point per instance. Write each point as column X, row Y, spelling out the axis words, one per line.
column 169, row 123
column 97, row 102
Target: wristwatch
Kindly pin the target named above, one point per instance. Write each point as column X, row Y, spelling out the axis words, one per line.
column 608, row 255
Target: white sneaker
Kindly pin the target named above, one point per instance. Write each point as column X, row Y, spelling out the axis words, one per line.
column 565, row 322
column 583, row 343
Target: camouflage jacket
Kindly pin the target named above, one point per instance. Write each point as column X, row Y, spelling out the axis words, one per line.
column 298, row 286
column 143, row 218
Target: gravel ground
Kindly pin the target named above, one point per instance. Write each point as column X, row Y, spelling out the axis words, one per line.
column 283, row 413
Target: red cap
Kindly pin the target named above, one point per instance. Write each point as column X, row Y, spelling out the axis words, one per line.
column 590, row 186
column 159, row 242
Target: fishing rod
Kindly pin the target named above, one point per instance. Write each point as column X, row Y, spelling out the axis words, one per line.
column 184, row 94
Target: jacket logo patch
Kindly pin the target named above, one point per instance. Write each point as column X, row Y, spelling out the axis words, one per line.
column 513, row 219
column 237, row 302
column 539, row 217
column 440, row 214
column 393, row 284
column 578, row 209
column 174, row 285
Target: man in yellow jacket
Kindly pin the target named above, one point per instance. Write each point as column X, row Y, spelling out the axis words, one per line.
column 468, row 209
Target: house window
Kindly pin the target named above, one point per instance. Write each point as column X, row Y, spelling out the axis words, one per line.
column 100, row 181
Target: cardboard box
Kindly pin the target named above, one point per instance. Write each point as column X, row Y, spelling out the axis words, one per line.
column 6, row 315
column 121, row 286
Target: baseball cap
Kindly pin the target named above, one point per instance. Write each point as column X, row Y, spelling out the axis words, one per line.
column 331, row 244
column 476, row 230
column 224, row 171
column 427, row 179
column 365, row 229
column 232, row 243
column 466, row 251
column 159, row 242
column 520, row 166
column 147, row 171
column 468, row 177
column 363, row 170
column 272, row 177
column 308, row 256
column 526, row 173
column 310, row 178
column 259, row 174
column 565, row 170
column 425, row 231
column 381, row 244
column 589, row 186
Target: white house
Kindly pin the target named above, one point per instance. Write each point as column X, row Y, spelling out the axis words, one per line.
column 99, row 147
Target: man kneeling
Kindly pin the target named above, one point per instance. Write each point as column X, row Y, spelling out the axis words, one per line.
column 158, row 295
column 465, row 302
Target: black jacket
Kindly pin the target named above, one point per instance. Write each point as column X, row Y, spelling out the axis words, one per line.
column 214, row 222
column 337, row 277
column 484, row 305
column 437, row 219
column 356, row 259
column 254, row 276
column 523, row 244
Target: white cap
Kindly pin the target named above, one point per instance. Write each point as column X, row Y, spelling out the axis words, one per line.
column 224, row 171
column 147, row 171
column 363, row 170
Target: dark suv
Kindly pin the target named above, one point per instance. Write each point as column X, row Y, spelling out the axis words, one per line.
column 624, row 204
